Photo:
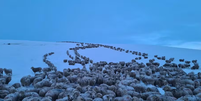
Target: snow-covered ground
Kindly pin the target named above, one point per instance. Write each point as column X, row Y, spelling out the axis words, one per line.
column 20, row 56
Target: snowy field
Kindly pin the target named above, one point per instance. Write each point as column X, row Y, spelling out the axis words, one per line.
column 20, row 56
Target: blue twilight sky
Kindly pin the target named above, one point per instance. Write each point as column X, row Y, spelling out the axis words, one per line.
column 157, row 22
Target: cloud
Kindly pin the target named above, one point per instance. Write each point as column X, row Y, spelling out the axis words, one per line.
column 189, row 45
column 162, row 38
column 153, row 38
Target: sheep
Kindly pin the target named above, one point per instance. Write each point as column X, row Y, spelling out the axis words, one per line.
column 36, row 69
column 8, row 71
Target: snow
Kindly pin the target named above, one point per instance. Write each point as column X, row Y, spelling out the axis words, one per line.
column 161, row 91
column 21, row 55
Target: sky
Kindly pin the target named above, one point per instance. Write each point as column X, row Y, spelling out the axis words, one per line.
column 174, row 23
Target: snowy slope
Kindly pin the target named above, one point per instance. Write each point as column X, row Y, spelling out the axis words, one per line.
column 21, row 55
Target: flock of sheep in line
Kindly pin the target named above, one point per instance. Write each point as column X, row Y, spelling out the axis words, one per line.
column 105, row 81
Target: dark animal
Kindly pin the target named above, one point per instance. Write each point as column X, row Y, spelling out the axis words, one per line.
column 7, row 71
column 36, row 69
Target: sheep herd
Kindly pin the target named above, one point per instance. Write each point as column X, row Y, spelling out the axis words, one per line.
column 105, row 81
